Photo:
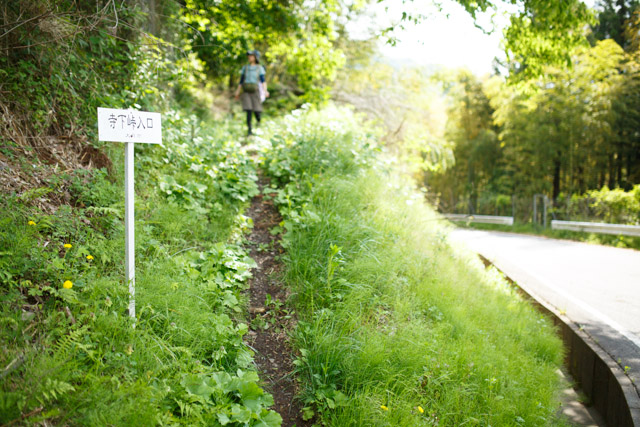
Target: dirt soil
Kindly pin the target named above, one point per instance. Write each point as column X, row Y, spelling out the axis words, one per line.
column 270, row 323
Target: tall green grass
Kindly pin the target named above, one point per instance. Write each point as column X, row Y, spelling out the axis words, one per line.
column 398, row 327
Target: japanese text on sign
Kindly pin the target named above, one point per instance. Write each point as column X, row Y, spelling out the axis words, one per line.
column 129, row 126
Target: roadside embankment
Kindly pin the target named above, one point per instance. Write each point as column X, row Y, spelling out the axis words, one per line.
column 397, row 327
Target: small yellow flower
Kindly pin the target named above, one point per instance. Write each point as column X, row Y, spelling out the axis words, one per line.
column 420, row 409
column 68, row 245
column 31, row 222
column 68, row 284
column 89, row 257
column 384, row 408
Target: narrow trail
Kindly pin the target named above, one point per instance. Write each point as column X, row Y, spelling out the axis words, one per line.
column 269, row 320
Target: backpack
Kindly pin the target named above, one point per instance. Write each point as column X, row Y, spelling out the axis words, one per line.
column 248, row 87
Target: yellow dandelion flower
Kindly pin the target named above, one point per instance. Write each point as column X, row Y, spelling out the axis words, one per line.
column 384, row 408
column 68, row 284
column 420, row 409
column 68, row 245
column 89, row 257
column 31, row 222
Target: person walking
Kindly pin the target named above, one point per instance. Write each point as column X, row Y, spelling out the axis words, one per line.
column 252, row 89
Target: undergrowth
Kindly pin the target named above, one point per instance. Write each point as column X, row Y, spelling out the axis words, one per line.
column 71, row 353
column 397, row 326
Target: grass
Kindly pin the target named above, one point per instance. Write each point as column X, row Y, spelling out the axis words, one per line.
column 79, row 358
column 618, row 241
column 398, row 327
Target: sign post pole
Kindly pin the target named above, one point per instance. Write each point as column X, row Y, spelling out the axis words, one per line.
column 129, row 225
column 129, row 126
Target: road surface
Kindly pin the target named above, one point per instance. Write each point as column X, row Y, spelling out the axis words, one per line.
column 597, row 287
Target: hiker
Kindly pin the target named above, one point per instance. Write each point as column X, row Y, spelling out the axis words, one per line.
column 252, row 88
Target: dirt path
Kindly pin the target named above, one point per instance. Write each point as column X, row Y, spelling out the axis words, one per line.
column 270, row 321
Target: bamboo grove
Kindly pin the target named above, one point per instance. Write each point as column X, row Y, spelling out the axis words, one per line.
column 566, row 132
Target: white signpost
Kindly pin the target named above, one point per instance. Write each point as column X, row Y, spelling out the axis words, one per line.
column 129, row 126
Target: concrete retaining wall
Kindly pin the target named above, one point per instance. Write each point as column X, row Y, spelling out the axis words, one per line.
column 598, row 375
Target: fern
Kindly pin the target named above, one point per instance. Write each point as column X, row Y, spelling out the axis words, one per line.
column 11, row 404
column 105, row 210
column 53, row 390
column 64, row 347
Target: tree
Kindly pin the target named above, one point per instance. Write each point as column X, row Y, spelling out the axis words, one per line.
column 576, row 132
column 545, row 33
column 402, row 102
column 295, row 36
column 476, row 147
column 614, row 18
column 542, row 33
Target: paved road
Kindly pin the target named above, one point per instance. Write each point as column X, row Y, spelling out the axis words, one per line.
column 598, row 287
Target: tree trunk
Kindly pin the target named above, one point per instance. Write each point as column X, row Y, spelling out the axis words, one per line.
column 612, row 172
column 618, row 170
column 473, row 197
column 153, row 24
column 556, row 180
column 581, row 182
column 633, row 171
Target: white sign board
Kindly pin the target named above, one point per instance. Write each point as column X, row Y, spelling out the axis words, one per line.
column 129, row 126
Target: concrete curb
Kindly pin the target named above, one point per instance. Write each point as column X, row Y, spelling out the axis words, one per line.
column 609, row 389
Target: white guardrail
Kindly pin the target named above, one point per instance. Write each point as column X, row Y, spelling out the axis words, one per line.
column 487, row 219
column 597, row 227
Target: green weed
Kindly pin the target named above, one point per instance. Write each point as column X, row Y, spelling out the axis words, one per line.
column 80, row 359
column 398, row 327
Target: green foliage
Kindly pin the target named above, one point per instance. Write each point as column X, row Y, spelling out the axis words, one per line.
column 184, row 362
column 406, row 104
column 303, row 149
column 480, row 167
column 614, row 206
column 392, row 318
column 64, row 303
column 541, row 33
column 227, row 400
column 545, row 33
column 314, row 63
column 297, row 41
column 572, row 134
column 211, row 169
column 613, row 20
column 92, row 68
